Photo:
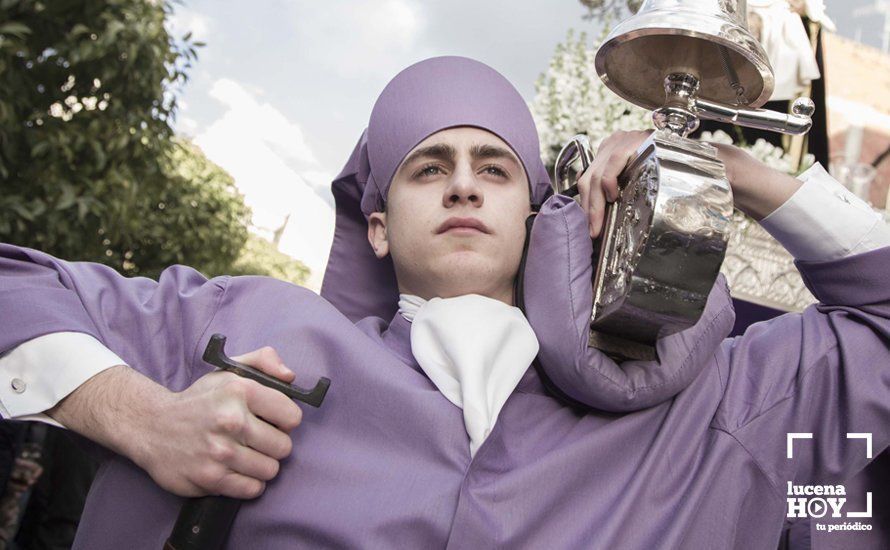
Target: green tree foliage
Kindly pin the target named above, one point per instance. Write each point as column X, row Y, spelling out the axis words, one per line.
column 89, row 166
column 197, row 217
column 260, row 257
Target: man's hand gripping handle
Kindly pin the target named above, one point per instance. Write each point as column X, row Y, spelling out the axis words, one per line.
column 203, row 523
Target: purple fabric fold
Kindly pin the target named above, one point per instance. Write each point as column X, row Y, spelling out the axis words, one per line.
column 857, row 285
column 558, row 302
column 355, row 281
column 34, row 296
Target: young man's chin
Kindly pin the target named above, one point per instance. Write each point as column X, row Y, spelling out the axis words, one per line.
column 466, row 259
column 467, row 268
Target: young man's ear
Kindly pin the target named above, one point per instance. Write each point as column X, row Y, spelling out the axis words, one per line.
column 377, row 234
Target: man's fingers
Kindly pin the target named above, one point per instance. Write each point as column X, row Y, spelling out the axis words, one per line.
column 251, row 463
column 584, row 187
column 596, row 207
column 596, row 211
column 273, row 407
column 267, row 439
column 601, row 177
column 614, row 165
column 267, row 360
column 237, row 485
column 181, row 486
column 592, row 199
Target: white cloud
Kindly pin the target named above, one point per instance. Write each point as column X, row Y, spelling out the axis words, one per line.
column 320, row 180
column 266, row 154
column 360, row 38
column 185, row 20
column 262, row 121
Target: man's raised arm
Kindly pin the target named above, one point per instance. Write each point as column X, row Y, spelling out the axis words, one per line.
column 160, row 407
column 815, row 377
column 825, row 371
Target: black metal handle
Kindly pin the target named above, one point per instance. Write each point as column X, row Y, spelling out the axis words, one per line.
column 204, row 523
column 215, row 354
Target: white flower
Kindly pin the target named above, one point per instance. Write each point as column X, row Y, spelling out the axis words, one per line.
column 571, row 99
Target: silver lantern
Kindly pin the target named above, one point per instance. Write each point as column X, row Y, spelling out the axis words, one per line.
column 665, row 237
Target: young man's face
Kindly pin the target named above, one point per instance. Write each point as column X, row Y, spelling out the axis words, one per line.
column 455, row 216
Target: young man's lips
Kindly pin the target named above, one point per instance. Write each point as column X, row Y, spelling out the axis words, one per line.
column 463, row 225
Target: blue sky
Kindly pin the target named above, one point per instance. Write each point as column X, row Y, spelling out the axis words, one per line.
column 283, row 88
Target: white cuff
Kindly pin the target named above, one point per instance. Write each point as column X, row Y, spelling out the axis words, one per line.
column 39, row 373
column 823, row 220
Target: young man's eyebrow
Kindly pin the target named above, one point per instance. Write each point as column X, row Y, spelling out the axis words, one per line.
column 444, row 151
column 486, row 151
column 441, row 151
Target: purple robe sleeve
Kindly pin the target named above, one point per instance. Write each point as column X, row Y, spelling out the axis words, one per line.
column 154, row 326
column 825, row 372
column 558, row 300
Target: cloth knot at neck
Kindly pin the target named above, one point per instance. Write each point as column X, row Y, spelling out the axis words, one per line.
column 474, row 349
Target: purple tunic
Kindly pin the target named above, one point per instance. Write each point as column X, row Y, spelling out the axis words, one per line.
column 385, row 463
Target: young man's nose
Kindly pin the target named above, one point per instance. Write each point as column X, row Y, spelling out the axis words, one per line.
column 463, row 187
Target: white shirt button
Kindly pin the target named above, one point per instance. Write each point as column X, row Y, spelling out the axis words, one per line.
column 18, row 385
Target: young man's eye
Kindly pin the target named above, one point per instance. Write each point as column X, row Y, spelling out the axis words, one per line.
column 429, row 170
column 495, row 171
